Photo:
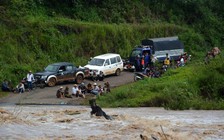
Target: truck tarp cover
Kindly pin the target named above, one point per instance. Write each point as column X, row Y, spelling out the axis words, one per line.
column 168, row 43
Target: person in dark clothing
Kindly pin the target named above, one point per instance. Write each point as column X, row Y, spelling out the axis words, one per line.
column 89, row 88
column 147, row 59
column 97, row 110
column 83, row 88
column 5, row 85
column 106, row 87
column 95, row 76
column 66, row 92
column 100, row 76
column 138, row 63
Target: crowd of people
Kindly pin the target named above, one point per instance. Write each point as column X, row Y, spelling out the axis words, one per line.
column 26, row 84
column 81, row 90
column 152, row 68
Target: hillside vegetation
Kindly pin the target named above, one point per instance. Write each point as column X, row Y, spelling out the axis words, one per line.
column 35, row 33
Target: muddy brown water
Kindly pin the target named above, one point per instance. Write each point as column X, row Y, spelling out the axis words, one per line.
column 75, row 122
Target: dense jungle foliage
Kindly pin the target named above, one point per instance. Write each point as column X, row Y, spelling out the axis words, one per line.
column 34, row 33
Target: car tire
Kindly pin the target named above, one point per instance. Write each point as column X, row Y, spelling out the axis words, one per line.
column 79, row 79
column 52, row 82
column 118, row 72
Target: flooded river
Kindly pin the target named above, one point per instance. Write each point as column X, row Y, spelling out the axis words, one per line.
column 75, row 123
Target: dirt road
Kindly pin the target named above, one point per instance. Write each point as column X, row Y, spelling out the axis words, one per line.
column 48, row 94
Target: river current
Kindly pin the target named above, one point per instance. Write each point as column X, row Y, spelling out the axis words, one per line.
column 75, row 122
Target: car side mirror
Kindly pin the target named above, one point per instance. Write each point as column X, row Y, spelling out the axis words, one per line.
column 60, row 71
column 106, row 64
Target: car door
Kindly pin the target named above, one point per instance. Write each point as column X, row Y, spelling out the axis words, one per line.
column 106, row 67
column 69, row 73
column 119, row 63
column 61, row 74
column 113, row 61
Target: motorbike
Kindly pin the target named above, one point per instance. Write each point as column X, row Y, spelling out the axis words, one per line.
column 35, row 84
column 139, row 76
column 148, row 73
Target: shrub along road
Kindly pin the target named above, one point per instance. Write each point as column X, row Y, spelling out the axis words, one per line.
column 47, row 95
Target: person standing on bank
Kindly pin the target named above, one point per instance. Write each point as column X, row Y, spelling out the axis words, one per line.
column 30, row 79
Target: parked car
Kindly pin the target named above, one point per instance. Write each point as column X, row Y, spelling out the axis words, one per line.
column 61, row 72
column 105, row 64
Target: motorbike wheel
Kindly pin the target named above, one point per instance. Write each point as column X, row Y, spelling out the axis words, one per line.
column 42, row 85
column 137, row 78
column 34, row 85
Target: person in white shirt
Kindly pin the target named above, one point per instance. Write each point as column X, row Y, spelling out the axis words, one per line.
column 153, row 60
column 75, row 90
column 30, row 79
column 182, row 61
column 20, row 88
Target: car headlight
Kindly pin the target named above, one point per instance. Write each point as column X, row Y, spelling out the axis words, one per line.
column 43, row 77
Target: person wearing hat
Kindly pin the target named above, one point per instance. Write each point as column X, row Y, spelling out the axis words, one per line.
column 95, row 89
column 30, row 79
column 60, row 93
column 75, row 90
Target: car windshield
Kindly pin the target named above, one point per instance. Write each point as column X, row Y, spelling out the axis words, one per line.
column 136, row 53
column 52, row 68
column 97, row 62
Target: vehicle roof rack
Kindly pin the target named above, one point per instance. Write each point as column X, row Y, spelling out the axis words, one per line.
column 142, row 46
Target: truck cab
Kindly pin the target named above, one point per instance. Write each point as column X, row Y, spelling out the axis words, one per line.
column 137, row 53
